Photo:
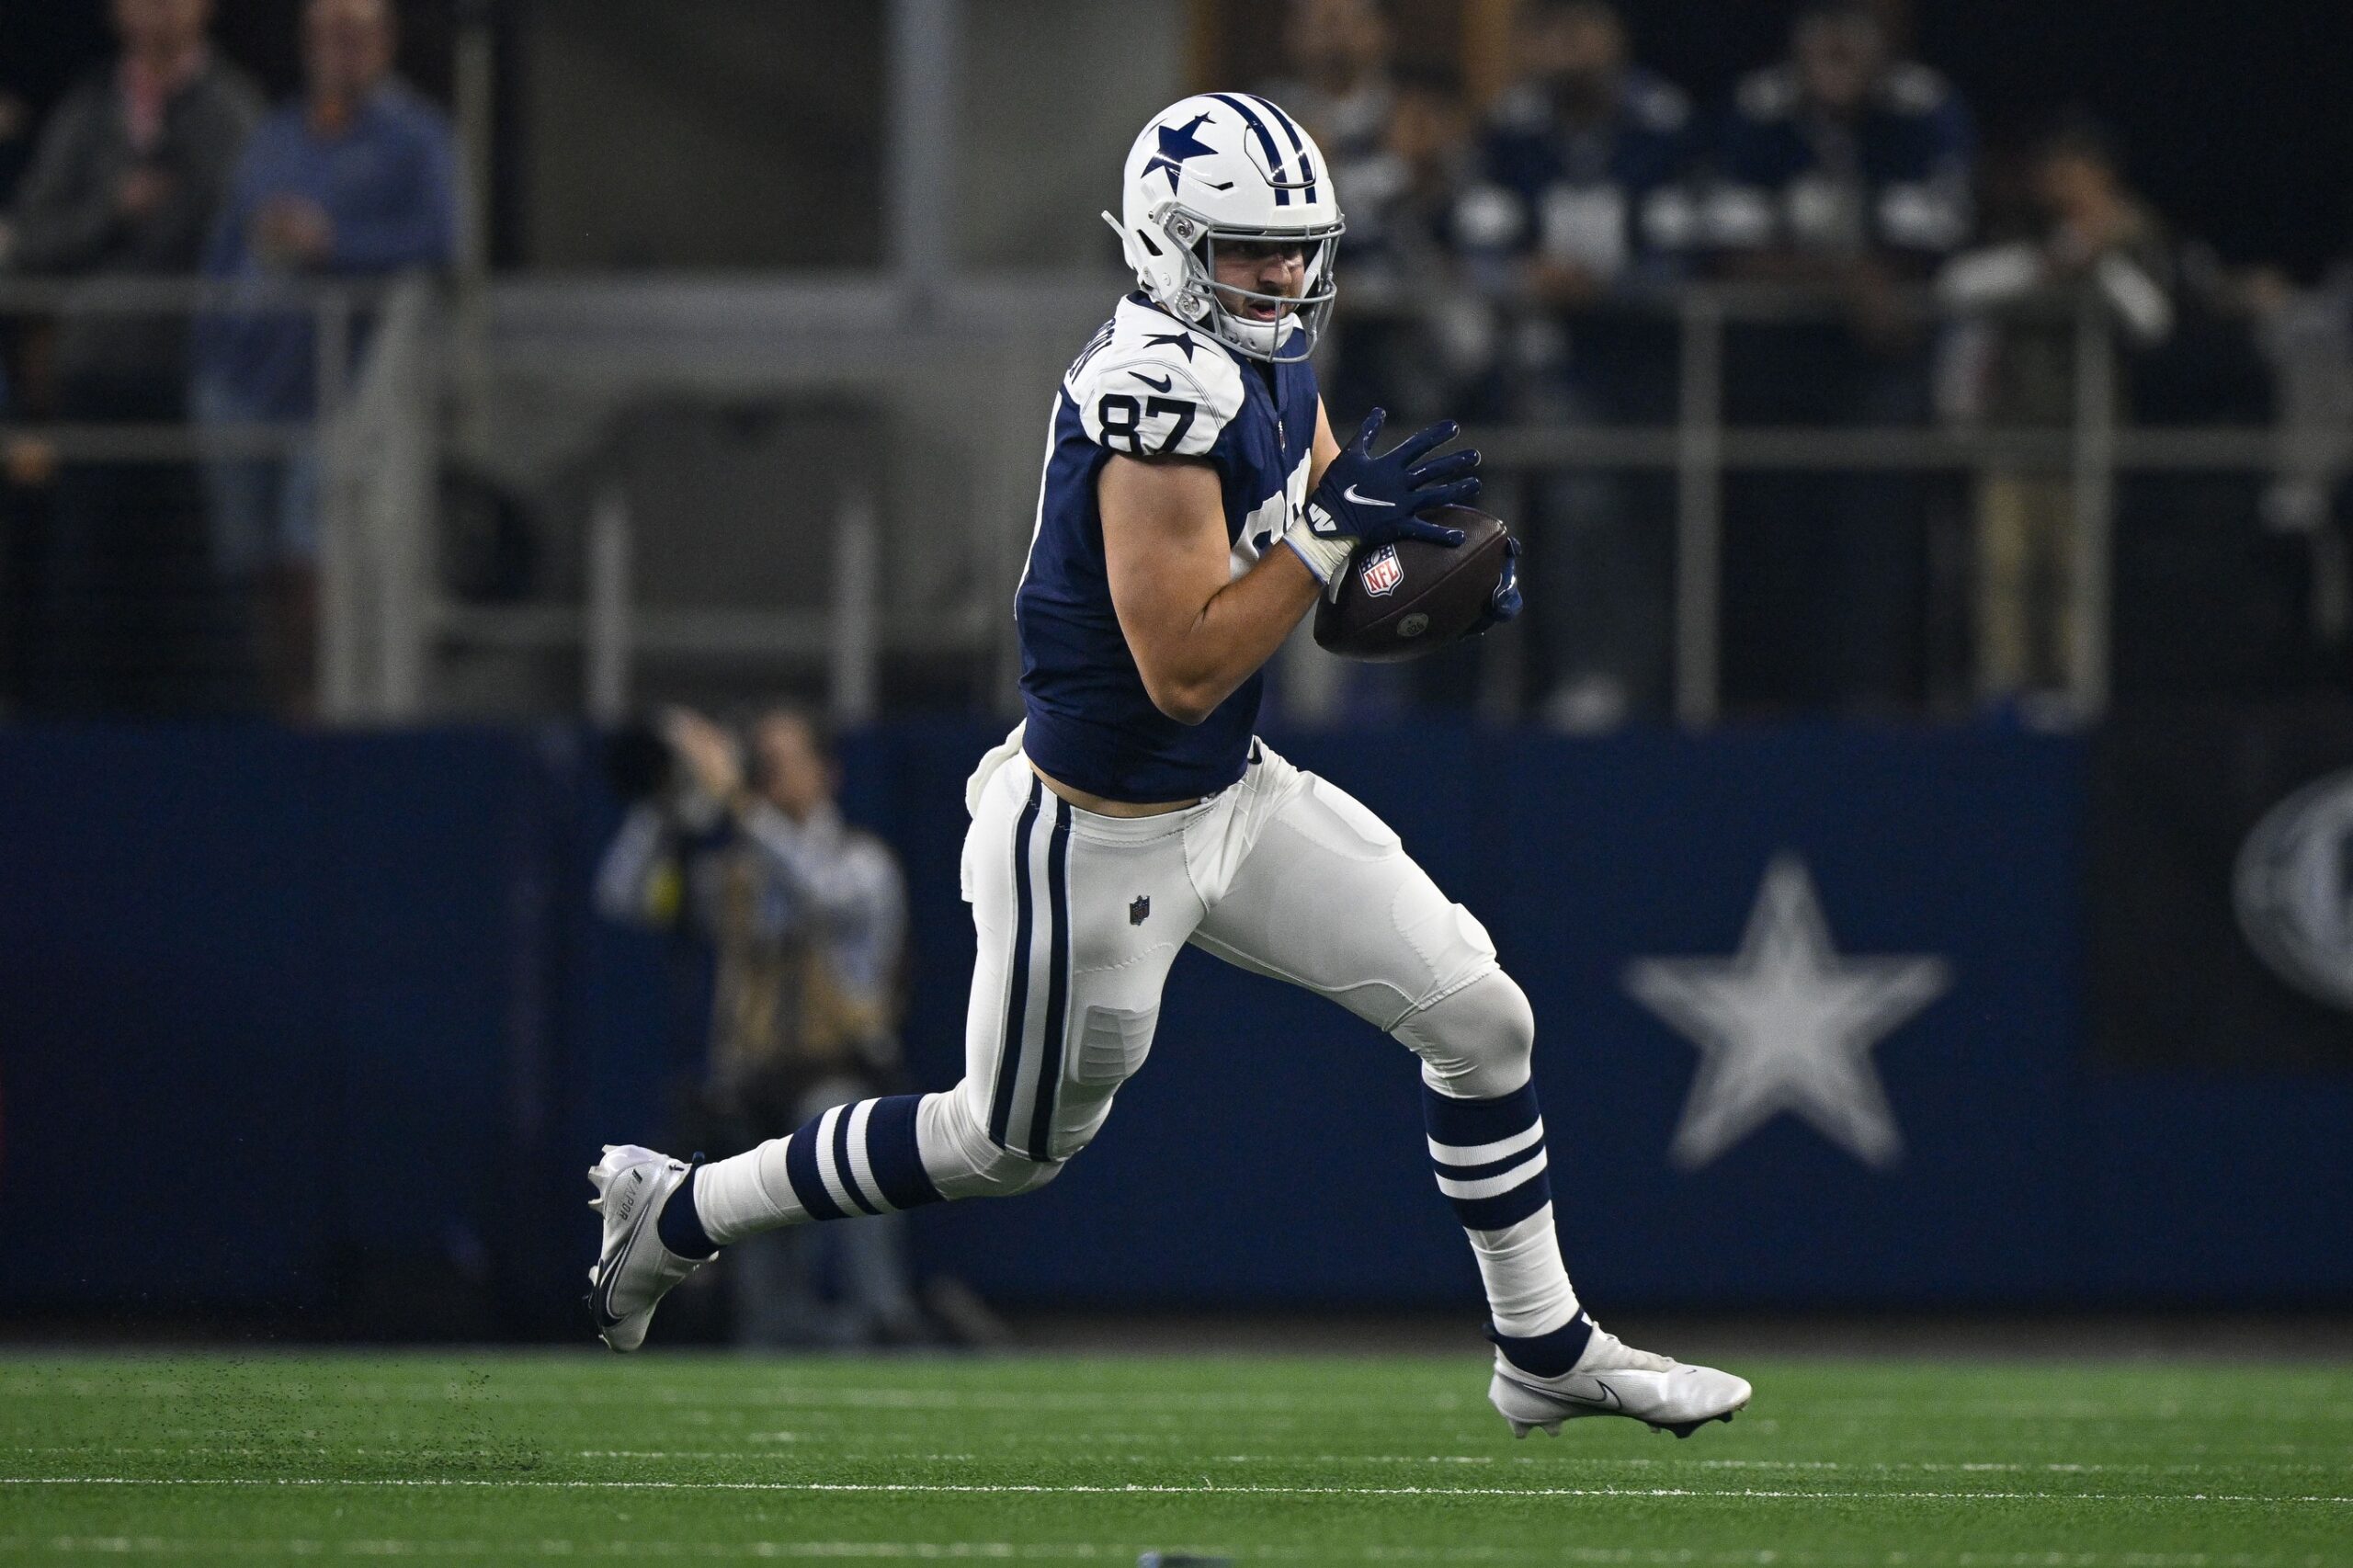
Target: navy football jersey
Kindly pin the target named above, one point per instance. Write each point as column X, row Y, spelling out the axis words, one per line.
column 1149, row 385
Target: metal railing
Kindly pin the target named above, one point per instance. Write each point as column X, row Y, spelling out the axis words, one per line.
column 960, row 487
column 334, row 309
column 613, row 630
column 384, row 428
column 372, row 425
column 1702, row 448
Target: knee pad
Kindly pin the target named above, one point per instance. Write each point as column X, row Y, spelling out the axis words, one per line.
column 1000, row 1174
column 962, row 1162
column 1475, row 1043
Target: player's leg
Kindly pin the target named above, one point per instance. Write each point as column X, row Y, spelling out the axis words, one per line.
column 1415, row 965
column 1078, row 918
column 1419, row 966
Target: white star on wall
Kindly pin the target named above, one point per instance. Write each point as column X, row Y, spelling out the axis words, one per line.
column 1787, row 1024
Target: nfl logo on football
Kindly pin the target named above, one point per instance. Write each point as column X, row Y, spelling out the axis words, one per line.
column 1382, row 572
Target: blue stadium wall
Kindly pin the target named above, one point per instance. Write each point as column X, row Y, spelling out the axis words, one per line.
column 322, row 1025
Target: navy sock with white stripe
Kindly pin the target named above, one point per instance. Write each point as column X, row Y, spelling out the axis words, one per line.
column 680, row 1225
column 1489, row 1162
column 859, row 1159
column 854, row 1159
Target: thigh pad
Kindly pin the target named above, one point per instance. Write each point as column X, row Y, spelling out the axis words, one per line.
column 1328, row 899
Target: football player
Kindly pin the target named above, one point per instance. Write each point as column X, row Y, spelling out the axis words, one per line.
column 1195, row 504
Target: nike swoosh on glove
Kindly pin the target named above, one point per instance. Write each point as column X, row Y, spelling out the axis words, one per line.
column 1368, row 500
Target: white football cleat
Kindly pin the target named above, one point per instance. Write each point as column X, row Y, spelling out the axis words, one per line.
column 1613, row 1379
column 635, row 1270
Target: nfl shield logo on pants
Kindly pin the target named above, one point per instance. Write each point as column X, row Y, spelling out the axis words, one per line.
column 1381, row 573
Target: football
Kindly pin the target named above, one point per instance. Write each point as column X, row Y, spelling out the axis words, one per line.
column 1403, row 600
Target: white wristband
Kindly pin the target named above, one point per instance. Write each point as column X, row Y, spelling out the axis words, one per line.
column 1325, row 558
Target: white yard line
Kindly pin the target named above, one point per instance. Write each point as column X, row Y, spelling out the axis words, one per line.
column 1145, row 1489
column 298, row 1392
column 1108, row 1447
column 319, row 1388
column 401, row 1545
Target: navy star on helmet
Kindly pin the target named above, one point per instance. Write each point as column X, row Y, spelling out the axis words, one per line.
column 1231, row 167
column 1176, row 144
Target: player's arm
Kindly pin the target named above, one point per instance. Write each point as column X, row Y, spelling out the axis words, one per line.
column 1324, row 449
column 1196, row 631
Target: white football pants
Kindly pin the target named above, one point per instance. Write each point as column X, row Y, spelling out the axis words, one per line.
column 1079, row 916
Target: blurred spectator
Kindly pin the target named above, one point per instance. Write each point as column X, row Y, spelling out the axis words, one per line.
column 1585, row 167
column 1342, row 53
column 1584, row 196
column 2306, row 339
column 16, row 150
column 354, row 180
column 129, row 170
column 2011, row 362
column 16, row 153
column 808, row 916
column 1395, row 139
column 132, row 164
column 1841, row 163
column 1846, row 170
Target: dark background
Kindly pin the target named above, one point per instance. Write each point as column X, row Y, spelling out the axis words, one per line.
column 2231, row 117
column 49, row 42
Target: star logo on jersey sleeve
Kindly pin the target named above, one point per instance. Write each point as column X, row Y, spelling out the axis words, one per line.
column 1176, row 144
column 1182, row 340
column 1787, row 1024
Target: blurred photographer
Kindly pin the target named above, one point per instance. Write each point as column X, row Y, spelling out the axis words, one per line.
column 808, row 919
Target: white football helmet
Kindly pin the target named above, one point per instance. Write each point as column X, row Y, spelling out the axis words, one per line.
column 1229, row 166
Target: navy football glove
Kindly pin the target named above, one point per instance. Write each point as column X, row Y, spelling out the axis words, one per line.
column 1504, row 603
column 1368, row 500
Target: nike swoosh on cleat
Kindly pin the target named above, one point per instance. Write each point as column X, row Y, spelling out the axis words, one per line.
column 600, row 1299
column 1350, row 494
column 1606, row 1401
column 600, row 1295
column 1609, row 1400
column 1157, row 383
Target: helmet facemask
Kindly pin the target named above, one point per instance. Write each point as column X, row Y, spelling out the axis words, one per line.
column 1291, row 335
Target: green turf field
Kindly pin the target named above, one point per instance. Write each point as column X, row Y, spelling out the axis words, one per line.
column 671, row 1456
